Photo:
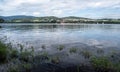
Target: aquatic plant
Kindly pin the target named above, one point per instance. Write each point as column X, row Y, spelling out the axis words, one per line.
column 3, row 52
column 113, row 53
column 45, row 54
column 27, row 67
column 32, row 53
column 32, row 49
column 73, row 50
column 100, row 51
column 21, row 47
column 43, row 47
column 14, row 53
column 25, row 56
column 86, row 54
column 102, row 64
column 55, row 59
column 78, row 68
column 8, row 54
column 117, row 67
column 61, row 47
column 13, row 69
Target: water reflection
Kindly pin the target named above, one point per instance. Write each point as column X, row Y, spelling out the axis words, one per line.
column 36, row 34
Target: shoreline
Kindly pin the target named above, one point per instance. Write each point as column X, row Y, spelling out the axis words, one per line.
column 75, row 57
column 60, row 23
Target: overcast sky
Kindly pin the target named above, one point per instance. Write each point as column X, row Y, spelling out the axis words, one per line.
column 61, row 8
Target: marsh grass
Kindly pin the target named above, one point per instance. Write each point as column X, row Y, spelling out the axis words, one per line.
column 86, row 54
column 117, row 67
column 61, row 47
column 102, row 64
column 55, row 59
column 27, row 67
column 100, row 51
column 8, row 54
column 114, row 54
column 43, row 47
column 3, row 52
column 14, row 53
column 43, row 56
column 13, row 69
column 25, row 56
column 73, row 50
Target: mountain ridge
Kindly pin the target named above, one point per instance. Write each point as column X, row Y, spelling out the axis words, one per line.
column 54, row 19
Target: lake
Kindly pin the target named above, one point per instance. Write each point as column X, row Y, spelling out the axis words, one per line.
column 36, row 35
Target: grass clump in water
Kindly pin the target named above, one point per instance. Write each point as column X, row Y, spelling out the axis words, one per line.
column 13, row 69
column 43, row 47
column 55, row 60
column 61, row 47
column 73, row 50
column 14, row 53
column 100, row 51
column 86, row 54
column 102, row 64
column 25, row 56
column 3, row 52
column 27, row 67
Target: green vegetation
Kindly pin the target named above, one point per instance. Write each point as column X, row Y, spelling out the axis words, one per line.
column 61, row 47
column 27, row 67
column 103, row 64
column 23, row 60
column 3, row 52
column 14, row 53
column 13, row 69
column 44, row 54
column 99, row 51
column 86, row 54
column 73, row 50
column 1, row 20
column 55, row 59
column 43, row 46
column 53, row 19
column 25, row 56
column 9, row 55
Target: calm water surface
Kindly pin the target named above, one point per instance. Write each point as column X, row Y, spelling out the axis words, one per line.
column 104, row 35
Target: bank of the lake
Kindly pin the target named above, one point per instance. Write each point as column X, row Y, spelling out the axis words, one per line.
column 75, row 57
column 53, row 19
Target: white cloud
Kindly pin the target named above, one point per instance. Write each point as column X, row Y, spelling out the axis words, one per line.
column 36, row 13
column 24, row 13
column 57, row 12
column 53, row 7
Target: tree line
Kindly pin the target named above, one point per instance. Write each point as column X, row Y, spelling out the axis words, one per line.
column 1, row 20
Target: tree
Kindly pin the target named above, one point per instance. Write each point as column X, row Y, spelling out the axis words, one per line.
column 1, row 20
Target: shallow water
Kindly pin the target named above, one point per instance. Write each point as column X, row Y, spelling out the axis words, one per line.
column 101, row 35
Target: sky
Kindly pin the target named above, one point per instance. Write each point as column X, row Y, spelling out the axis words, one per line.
column 61, row 8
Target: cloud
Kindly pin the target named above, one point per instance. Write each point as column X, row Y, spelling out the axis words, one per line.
column 55, row 7
column 36, row 13
column 57, row 12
